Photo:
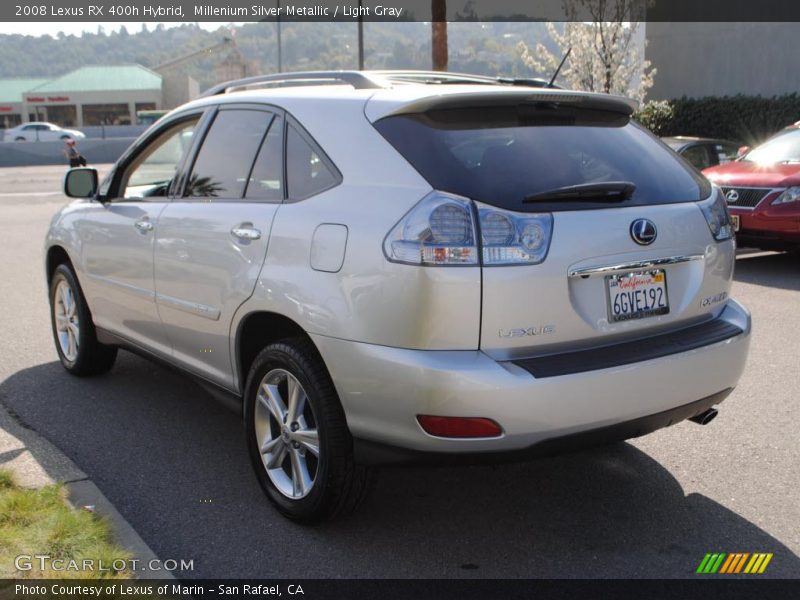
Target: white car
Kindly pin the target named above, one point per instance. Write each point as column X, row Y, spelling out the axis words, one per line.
column 385, row 270
column 39, row 131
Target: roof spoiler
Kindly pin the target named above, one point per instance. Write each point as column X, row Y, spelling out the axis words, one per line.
column 506, row 97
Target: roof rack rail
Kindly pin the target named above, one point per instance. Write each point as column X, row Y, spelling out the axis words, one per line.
column 364, row 80
column 443, row 77
column 358, row 79
column 414, row 76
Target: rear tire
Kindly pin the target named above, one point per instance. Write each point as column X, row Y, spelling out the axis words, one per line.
column 297, row 435
column 73, row 330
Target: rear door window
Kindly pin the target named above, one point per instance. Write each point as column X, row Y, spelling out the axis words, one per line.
column 506, row 154
column 223, row 164
column 266, row 180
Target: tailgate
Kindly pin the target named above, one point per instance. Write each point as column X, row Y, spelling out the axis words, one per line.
column 567, row 302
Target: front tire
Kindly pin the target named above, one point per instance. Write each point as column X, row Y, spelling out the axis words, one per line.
column 297, row 435
column 73, row 330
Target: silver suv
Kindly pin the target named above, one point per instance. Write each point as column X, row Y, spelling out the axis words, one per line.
column 384, row 267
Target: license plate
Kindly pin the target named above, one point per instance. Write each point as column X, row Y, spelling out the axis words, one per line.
column 735, row 222
column 637, row 295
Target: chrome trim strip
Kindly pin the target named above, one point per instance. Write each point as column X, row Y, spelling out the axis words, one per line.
column 194, row 308
column 639, row 265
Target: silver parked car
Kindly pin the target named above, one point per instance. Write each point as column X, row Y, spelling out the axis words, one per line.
column 37, row 131
column 379, row 269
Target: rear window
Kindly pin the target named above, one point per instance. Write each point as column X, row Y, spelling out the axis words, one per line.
column 503, row 155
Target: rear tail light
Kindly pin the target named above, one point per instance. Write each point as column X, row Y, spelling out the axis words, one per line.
column 441, row 230
column 459, row 427
column 509, row 238
column 717, row 216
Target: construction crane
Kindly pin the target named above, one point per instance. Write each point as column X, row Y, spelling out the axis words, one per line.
column 221, row 45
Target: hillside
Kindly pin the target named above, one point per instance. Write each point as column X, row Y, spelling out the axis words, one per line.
column 486, row 48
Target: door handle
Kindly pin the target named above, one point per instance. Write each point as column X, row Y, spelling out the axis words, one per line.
column 144, row 225
column 246, row 233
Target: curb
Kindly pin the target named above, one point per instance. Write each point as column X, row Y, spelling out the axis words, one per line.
column 36, row 462
column 85, row 493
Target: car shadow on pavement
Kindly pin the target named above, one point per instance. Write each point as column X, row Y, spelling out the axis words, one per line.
column 174, row 464
column 771, row 269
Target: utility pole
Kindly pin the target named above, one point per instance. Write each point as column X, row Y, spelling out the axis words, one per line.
column 360, row 37
column 439, row 35
column 278, row 23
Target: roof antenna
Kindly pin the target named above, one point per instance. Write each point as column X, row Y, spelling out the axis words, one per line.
column 558, row 70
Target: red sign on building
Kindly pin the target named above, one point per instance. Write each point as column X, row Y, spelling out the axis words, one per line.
column 40, row 99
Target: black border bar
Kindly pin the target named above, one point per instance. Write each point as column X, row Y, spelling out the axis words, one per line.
column 701, row 586
column 224, row 11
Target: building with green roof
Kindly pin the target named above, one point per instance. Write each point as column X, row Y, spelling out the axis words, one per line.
column 12, row 91
column 94, row 95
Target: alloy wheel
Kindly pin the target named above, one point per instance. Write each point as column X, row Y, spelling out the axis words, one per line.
column 65, row 311
column 286, row 432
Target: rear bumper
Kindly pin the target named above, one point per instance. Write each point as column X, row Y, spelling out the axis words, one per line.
column 382, row 390
column 375, row 453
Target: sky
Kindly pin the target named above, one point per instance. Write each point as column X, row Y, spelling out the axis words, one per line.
column 38, row 28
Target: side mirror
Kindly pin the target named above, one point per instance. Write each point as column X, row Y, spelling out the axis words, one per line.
column 742, row 151
column 80, row 182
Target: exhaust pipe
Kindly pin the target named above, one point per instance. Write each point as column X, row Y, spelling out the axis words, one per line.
column 705, row 417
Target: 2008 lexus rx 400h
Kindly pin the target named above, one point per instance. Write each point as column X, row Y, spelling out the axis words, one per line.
column 382, row 269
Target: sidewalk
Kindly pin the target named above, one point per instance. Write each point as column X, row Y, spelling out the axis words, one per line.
column 36, row 463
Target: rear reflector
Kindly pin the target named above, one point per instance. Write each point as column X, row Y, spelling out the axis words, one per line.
column 459, row 427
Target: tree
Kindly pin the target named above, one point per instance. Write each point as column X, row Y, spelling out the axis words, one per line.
column 439, row 34
column 604, row 56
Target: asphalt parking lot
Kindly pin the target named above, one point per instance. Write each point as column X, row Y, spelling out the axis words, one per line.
column 173, row 461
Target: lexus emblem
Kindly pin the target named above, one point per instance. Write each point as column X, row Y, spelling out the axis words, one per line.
column 732, row 196
column 643, row 232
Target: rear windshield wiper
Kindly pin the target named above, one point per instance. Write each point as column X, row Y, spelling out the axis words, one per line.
column 606, row 191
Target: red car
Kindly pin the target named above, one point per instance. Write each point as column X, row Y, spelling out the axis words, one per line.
column 763, row 192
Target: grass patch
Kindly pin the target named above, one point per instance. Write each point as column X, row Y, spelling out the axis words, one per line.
column 40, row 522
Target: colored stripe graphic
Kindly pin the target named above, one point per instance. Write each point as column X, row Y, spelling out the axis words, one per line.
column 741, row 562
column 722, row 563
column 711, row 563
column 730, row 563
column 765, row 563
column 734, row 563
column 758, row 563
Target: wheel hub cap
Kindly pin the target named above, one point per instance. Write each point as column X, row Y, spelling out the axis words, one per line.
column 66, row 320
column 286, row 431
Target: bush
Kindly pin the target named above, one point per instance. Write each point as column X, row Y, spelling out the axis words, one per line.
column 656, row 115
column 742, row 119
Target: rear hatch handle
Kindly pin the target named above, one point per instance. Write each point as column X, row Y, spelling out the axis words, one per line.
column 638, row 265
